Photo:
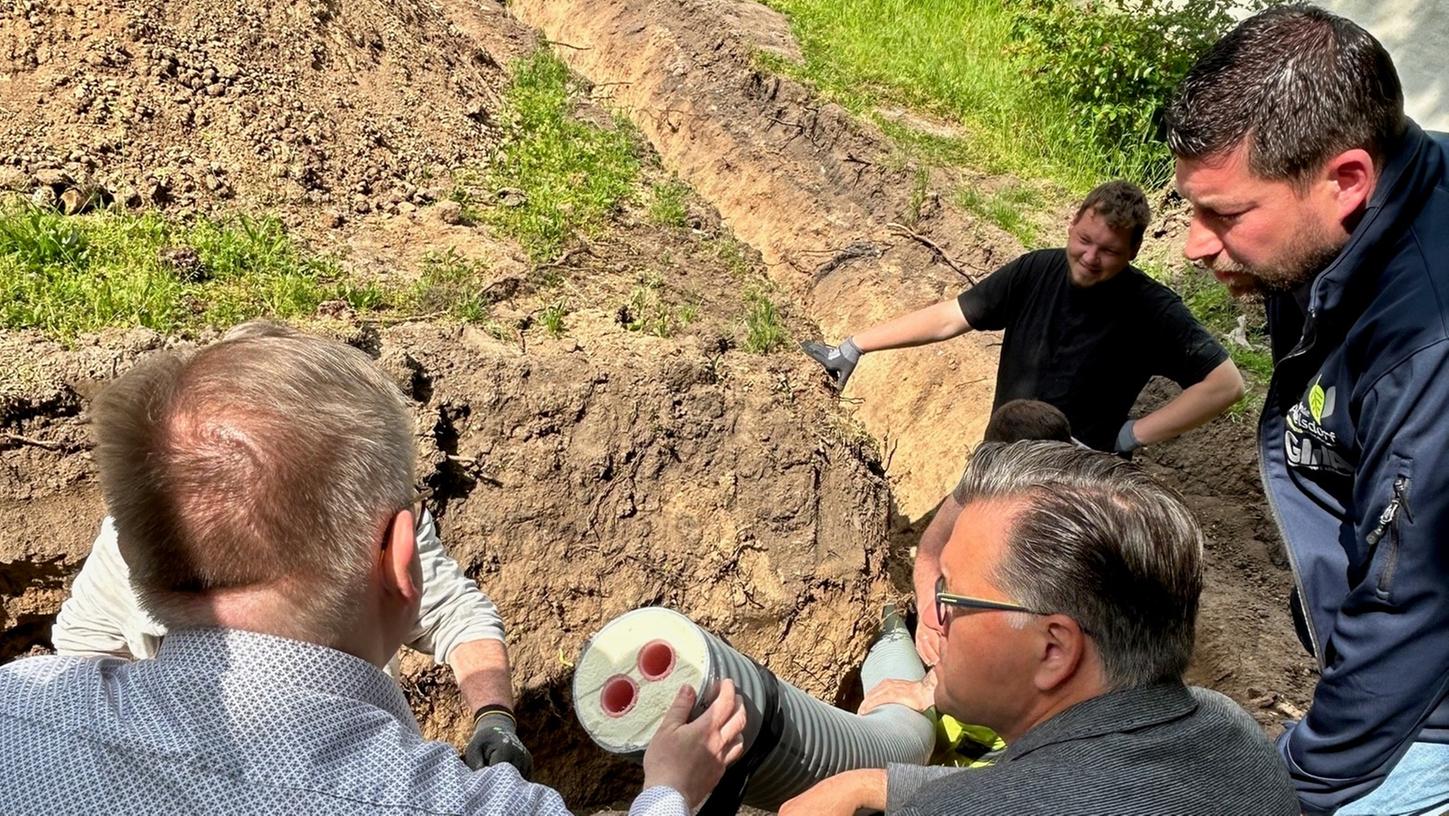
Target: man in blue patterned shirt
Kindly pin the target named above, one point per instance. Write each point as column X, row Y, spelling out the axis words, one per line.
column 262, row 491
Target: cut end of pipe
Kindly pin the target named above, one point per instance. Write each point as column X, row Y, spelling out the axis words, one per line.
column 656, row 660
column 618, row 695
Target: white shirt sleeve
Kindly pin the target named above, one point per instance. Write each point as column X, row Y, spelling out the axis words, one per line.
column 103, row 616
column 453, row 610
column 659, row 801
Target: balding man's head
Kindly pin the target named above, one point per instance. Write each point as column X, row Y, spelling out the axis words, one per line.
column 268, row 460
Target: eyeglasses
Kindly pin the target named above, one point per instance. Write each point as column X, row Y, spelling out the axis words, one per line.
column 945, row 599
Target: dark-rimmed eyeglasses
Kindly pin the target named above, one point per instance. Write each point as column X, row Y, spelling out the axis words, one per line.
column 945, row 599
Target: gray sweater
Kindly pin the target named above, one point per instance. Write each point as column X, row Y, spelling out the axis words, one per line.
column 1163, row 749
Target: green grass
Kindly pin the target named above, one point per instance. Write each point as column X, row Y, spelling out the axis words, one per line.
column 70, row 275
column 949, row 58
column 66, row 275
column 668, row 206
column 570, row 175
column 650, row 309
column 733, row 253
column 1010, row 208
column 451, row 284
column 552, row 318
column 764, row 331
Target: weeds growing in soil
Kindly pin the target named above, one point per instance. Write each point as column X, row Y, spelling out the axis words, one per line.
column 451, row 284
column 650, row 310
column 764, row 331
column 668, row 207
column 564, row 176
column 552, row 318
column 66, row 275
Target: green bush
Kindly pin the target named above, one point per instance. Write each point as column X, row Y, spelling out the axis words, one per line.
column 1117, row 65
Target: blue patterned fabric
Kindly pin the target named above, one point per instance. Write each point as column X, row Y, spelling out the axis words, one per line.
column 231, row 722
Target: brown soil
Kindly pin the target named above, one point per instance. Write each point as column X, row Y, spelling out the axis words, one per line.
column 313, row 108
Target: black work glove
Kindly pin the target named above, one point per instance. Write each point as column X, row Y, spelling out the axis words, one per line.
column 838, row 360
column 495, row 740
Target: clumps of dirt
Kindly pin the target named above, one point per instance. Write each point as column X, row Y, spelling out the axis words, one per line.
column 186, row 105
column 592, row 476
column 1246, row 647
column 579, row 479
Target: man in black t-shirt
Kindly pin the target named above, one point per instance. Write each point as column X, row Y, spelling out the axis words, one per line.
column 1084, row 331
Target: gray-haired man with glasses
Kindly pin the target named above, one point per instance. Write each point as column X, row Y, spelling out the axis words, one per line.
column 1066, row 604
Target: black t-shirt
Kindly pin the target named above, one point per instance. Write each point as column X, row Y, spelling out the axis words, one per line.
column 1087, row 351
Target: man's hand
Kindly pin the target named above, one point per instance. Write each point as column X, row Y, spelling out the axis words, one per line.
column 838, row 360
column 495, row 740
column 846, row 794
column 692, row 756
column 916, row 695
column 928, row 643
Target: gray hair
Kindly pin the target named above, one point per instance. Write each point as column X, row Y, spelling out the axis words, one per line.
column 268, row 459
column 1100, row 541
column 1301, row 84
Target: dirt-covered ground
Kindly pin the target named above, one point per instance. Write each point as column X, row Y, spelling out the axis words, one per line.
column 580, row 476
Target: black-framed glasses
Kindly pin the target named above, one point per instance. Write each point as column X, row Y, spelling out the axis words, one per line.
column 945, row 599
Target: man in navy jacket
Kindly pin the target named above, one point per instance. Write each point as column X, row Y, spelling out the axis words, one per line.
column 1310, row 188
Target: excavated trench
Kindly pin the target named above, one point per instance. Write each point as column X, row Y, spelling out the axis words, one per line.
column 841, row 224
column 578, row 478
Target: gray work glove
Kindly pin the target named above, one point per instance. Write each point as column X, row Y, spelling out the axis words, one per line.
column 1126, row 439
column 495, row 740
column 838, row 360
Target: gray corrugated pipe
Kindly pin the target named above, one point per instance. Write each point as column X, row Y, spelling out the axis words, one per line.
column 630, row 671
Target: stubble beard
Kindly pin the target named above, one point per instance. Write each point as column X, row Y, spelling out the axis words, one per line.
column 1308, row 253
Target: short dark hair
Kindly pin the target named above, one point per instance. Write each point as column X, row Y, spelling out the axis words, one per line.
column 1099, row 540
column 1022, row 419
column 1122, row 205
column 1302, row 84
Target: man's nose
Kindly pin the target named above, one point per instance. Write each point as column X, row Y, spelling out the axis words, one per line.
column 1202, row 243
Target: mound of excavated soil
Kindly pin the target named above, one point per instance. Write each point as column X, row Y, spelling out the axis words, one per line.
column 586, row 477
column 185, row 104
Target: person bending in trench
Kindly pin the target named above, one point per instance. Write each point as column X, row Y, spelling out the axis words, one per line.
column 1084, row 331
column 1067, row 604
column 456, row 623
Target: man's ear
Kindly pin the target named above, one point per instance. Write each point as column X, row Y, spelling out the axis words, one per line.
column 1351, row 176
column 399, row 551
column 1063, row 648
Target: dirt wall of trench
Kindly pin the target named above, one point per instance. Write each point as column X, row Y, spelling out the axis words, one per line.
column 575, row 481
column 815, row 193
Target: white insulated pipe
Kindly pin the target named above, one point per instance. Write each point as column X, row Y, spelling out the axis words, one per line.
column 631, row 670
